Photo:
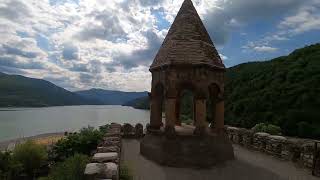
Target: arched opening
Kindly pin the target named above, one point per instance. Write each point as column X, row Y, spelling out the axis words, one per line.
column 157, row 106
column 185, row 104
column 186, row 107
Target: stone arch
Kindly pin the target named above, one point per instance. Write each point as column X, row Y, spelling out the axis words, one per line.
column 216, row 117
column 182, row 88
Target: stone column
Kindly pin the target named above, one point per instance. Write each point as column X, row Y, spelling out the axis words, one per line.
column 200, row 114
column 155, row 112
column 170, row 114
column 178, row 122
column 219, row 116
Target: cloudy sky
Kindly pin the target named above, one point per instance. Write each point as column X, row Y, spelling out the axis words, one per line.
column 81, row 44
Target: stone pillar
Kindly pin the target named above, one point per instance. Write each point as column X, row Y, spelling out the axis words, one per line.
column 219, row 116
column 155, row 112
column 170, row 114
column 200, row 114
column 178, row 121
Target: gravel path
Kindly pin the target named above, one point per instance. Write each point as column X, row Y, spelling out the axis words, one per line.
column 249, row 165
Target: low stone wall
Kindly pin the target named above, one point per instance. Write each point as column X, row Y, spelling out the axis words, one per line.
column 297, row 150
column 105, row 163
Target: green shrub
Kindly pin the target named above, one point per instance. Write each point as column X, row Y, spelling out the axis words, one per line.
column 31, row 156
column 82, row 143
column 70, row 169
column 267, row 128
column 9, row 168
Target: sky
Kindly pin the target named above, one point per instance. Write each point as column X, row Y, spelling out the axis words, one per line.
column 110, row 44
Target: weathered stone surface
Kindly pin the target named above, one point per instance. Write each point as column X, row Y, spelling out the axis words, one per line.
column 138, row 130
column 187, row 151
column 111, row 170
column 105, row 157
column 93, row 169
column 128, row 130
column 108, row 149
column 96, row 171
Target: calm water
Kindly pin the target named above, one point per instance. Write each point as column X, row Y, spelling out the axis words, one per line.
column 24, row 122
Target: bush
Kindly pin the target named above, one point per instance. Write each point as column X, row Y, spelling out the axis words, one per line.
column 30, row 156
column 82, row 143
column 267, row 128
column 71, row 169
column 9, row 169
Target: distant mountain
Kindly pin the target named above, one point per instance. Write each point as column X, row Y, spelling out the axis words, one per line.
column 109, row 97
column 139, row 103
column 20, row 91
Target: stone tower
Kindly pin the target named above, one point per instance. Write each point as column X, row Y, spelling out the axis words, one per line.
column 187, row 60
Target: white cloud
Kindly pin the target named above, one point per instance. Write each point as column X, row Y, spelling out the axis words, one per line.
column 110, row 43
column 265, row 49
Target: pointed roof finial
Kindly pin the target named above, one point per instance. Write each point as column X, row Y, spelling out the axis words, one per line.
column 187, row 42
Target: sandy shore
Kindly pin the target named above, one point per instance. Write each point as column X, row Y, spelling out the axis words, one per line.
column 45, row 139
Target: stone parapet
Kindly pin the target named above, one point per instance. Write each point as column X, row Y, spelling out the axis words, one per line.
column 105, row 163
column 300, row 151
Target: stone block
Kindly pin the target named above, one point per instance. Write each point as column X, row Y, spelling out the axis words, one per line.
column 105, row 157
column 94, row 171
column 138, row 130
column 108, row 149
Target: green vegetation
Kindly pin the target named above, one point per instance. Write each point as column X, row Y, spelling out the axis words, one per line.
column 27, row 92
column 70, row 169
column 139, row 103
column 77, row 143
column 283, row 92
column 25, row 161
column 268, row 128
column 66, row 160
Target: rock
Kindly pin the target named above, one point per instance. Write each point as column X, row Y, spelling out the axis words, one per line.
column 128, row 130
column 105, row 157
column 101, row 171
column 108, row 149
column 138, row 130
column 93, row 169
column 111, row 170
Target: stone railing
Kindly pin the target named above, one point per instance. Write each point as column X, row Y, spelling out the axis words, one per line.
column 105, row 163
column 300, row 151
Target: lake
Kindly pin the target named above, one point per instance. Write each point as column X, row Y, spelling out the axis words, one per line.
column 24, row 122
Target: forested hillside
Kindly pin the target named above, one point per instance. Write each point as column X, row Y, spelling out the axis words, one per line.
column 20, row 91
column 284, row 91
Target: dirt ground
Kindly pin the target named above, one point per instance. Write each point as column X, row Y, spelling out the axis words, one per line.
column 248, row 165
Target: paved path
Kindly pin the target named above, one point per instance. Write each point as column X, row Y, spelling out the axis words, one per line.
column 249, row 165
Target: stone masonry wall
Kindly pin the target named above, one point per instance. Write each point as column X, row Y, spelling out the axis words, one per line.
column 297, row 150
column 105, row 163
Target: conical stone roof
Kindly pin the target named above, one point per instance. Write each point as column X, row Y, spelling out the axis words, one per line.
column 187, row 42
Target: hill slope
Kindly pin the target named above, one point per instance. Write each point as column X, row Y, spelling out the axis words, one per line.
column 139, row 103
column 21, row 91
column 284, row 91
column 111, row 97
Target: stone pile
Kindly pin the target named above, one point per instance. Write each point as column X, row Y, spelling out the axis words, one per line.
column 297, row 150
column 105, row 162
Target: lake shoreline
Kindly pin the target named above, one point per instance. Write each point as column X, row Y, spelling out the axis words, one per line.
column 4, row 144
